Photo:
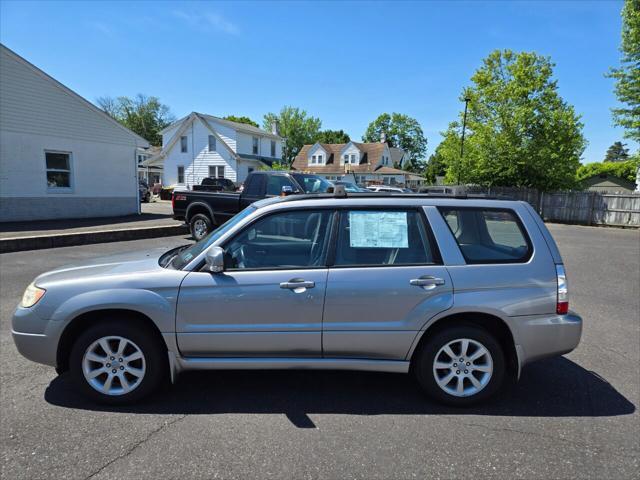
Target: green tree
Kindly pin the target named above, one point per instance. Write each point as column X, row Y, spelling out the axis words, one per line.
column 400, row 131
column 296, row 127
column 617, row 153
column 144, row 115
column 332, row 136
column 436, row 167
column 626, row 170
column 627, row 76
column 247, row 120
column 520, row 132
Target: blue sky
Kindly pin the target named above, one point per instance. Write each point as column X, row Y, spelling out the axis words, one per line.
column 345, row 62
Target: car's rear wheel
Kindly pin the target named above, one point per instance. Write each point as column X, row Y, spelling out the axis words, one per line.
column 200, row 226
column 461, row 365
column 117, row 362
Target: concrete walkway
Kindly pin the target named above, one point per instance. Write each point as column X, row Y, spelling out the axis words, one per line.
column 155, row 221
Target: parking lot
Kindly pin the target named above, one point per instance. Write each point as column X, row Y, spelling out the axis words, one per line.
column 573, row 416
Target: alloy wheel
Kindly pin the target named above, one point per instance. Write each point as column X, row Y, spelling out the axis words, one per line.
column 463, row 367
column 113, row 365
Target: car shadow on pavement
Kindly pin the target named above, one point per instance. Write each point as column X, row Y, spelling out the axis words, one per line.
column 556, row 387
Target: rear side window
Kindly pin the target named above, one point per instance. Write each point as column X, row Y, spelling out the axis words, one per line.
column 255, row 185
column 382, row 237
column 488, row 235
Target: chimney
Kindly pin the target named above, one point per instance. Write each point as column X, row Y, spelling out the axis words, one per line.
column 274, row 128
column 383, row 137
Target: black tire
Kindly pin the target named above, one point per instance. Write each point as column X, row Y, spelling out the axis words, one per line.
column 147, row 197
column 155, row 360
column 425, row 357
column 200, row 226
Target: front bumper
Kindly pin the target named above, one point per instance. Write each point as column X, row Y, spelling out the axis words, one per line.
column 36, row 339
column 540, row 337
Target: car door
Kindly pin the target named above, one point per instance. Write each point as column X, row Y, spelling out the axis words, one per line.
column 385, row 282
column 268, row 302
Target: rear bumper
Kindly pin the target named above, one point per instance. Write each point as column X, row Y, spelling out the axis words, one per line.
column 540, row 337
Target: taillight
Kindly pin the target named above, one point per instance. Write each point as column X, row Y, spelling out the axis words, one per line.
column 562, row 304
column 173, row 201
column 177, row 197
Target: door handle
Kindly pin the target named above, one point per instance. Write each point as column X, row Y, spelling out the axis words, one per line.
column 427, row 281
column 297, row 283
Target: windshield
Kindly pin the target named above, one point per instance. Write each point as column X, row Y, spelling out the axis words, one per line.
column 312, row 183
column 188, row 254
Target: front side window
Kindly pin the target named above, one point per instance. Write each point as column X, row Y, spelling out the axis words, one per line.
column 381, row 238
column 295, row 239
column 183, row 144
column 273, row 148
column 212, row 143
column 275, row 184
column 255, row 145
column 488, row 235
column 180, row 174
column 58, row 170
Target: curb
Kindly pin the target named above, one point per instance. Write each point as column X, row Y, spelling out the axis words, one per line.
column 21, row 244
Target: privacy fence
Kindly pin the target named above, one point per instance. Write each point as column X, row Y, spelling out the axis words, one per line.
column 583, row 208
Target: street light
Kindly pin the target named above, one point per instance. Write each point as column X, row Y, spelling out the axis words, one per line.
column 464, row 127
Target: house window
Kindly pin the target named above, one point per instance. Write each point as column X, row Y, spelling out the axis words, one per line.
column 346, row 158
column 353, row 159
column 313, row 159
column 273, row 148
column 320, row 158
column 216, row 171
column 58, row 170
column 255, row 146
column 183, row 144
column 212, row 143
column 180, row 174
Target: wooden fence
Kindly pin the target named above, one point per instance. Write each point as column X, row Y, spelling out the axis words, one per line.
column 583, row 208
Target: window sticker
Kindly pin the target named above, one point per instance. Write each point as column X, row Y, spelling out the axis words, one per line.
column 378, row 230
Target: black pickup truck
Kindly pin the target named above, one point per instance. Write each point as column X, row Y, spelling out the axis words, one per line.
column 204, row 210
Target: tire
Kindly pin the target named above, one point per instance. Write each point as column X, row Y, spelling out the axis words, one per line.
column 488, row 375
column 147, row 197
column 200, row 226
column 141, row 375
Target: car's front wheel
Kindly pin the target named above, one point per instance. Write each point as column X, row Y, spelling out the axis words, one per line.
column 117, row 362
column 460, row 365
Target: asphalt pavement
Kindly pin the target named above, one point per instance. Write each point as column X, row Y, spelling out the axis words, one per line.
column 572, row 416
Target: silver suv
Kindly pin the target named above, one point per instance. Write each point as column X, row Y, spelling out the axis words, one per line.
column 462, row 293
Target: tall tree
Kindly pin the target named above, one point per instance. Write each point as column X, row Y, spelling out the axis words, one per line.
column 520, row 132
column 400, row 131
column 627, row 76
column 247, row 120
column 436, row 167
column 296, row 127
column 617, row 153
column 332, row 136
column 144, row 115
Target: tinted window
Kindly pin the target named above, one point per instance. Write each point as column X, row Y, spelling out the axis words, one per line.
column 296, row 239
column 382, row 237
column 255, row 185
column 275, row 184
column 312, row 183
column 488, row 235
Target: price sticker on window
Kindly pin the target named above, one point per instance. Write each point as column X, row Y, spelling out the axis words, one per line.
column 378, row 230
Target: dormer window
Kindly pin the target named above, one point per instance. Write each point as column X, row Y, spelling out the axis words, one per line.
column 317, row 159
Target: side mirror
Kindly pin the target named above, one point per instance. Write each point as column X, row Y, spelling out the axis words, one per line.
column 286, row 190
column 214, row 259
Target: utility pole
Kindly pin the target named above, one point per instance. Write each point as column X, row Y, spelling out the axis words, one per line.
column 464, row 127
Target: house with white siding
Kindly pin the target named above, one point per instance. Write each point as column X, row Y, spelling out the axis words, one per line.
column 60, row 155
column 200, row 146
column 367, row 163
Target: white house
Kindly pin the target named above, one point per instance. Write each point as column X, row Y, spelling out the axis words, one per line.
column 60, row 156
column 199, row 146
column 149, row 174
column 367, row 163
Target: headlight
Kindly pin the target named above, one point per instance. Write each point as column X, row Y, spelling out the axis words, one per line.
column 32, row 295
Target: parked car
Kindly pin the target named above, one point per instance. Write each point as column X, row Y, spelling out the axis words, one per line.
column 211, row 184
column 202, row 210
column 461, row 293
column 143, row 191
column 385, row 188
column 350, row 187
